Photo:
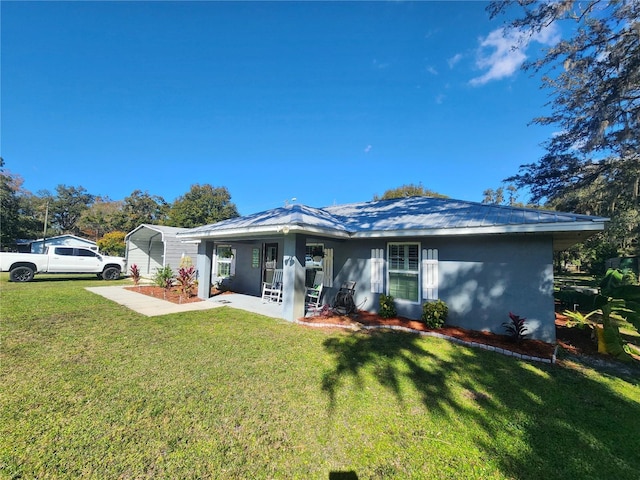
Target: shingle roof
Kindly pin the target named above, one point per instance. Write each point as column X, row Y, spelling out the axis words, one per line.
column 400, row 217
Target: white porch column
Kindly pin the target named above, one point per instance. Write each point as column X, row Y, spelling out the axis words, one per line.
column 204, row 264
column 293, row 288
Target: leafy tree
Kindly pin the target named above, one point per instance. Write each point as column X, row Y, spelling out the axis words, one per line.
column 67, row 206
column 112, row 243
column 592, row 163
column 101, row 217
column 32, row 213
column 19, row 217
column 594, row 78
column 497, row 196
column 410, row 190
column 201, row 205
column 9, row 186
column 623, row 231
column 138, row 208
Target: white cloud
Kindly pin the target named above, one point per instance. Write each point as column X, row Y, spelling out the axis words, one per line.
column 508, row 52
column 455, row 59
column 430, row 69
column 367, row 149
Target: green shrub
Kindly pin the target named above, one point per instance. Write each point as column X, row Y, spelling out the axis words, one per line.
column 387, row 306
column 434, row 314
column 113, row 243
column 164, row 277
column 570, row 298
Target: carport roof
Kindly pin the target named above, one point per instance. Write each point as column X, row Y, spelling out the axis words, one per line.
column 405, row 217
column 146, row 231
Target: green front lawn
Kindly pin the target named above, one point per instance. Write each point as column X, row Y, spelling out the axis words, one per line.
column 91, row 389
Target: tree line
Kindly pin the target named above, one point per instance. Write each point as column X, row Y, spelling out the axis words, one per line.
column 73, row 210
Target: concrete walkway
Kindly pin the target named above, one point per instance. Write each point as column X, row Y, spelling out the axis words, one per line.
column 151, row 307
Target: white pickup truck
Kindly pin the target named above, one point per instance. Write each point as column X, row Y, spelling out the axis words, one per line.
column 60, row 259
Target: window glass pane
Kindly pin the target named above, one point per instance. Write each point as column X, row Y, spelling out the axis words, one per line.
column 412, row 257
column 224, row 269
column 64, row 251
column 404, row 257
column 224, row 257
column 403, row 286
column 85, row 253
column 395, row 257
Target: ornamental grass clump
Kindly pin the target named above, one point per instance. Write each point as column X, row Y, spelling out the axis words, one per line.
column 434, row 314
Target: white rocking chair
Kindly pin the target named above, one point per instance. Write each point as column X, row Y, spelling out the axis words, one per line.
column 313, row 294
column 272, row 291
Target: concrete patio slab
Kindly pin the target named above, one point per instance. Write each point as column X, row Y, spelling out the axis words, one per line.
column 151, row 307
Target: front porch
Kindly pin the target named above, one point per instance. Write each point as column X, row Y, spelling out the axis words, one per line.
column 248, row 303
column 254, row 261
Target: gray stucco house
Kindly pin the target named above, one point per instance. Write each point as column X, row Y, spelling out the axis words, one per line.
column 155, row 246
column 483, row 260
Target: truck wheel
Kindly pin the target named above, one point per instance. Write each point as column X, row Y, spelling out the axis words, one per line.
column 111, row 273
column 21, row 274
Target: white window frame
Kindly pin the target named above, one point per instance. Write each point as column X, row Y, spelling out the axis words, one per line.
column 327, row 262
column 224, row 260
column 417, row 271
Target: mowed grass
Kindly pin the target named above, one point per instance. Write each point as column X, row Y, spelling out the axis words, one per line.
column 91, row 389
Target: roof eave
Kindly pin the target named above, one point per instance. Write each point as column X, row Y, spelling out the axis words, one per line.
column 245, row 232
column 590, row 226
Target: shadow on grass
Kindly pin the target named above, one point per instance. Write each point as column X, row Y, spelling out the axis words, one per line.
column 566, row 423
column 383, row 350
column 343, row 475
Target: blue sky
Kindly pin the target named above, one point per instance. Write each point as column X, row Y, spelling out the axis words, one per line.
column 325, row 102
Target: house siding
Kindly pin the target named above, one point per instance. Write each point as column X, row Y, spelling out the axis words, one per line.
column 481, row 279
column 247, row 278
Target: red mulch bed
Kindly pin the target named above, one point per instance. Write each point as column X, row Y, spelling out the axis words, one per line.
column 534, row 348
column 173, row 295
